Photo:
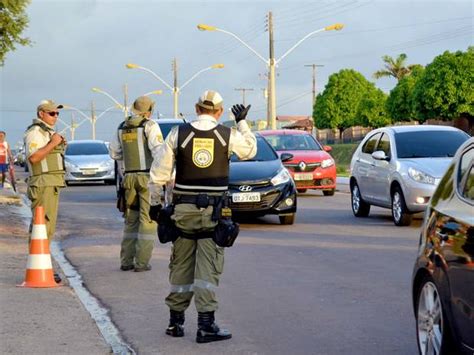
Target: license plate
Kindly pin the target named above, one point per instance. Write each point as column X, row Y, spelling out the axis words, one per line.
column 303, row 176
column 89, row 172
column 246, row 197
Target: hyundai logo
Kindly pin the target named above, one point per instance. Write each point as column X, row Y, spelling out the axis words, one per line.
column 245, row 188
column 302, row 165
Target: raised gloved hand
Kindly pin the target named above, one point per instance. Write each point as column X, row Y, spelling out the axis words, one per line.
column 240, row 112
column 154, row 212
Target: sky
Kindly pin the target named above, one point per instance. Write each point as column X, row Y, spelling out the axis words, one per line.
column 78, row 45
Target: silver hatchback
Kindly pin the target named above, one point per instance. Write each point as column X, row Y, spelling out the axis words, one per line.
column 400, row 167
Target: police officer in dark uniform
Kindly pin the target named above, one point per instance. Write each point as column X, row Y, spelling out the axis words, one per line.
column 200, row 152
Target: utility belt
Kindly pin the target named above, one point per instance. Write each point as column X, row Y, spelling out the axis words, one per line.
column 136, row 171
column 224, row 233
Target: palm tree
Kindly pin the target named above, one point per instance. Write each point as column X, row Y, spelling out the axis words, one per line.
column 396, row 68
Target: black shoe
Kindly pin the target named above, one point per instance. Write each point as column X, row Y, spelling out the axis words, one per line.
column 57, row 278
column 176, row 328
column 127, row 267
column 145, row 268
column 208, row 330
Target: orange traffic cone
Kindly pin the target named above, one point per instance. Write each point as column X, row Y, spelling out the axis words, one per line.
column 39, row 269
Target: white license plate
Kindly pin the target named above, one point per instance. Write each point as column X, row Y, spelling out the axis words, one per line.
column 89, row 172
column 246, row 197
column 303, row 176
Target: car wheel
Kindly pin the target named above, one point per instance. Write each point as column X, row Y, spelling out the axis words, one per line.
column 360, row 208
column 432, row 328
column 109, row 182
column 302, row 191
column 329, row 192
column 400, row 213
column 288, row 219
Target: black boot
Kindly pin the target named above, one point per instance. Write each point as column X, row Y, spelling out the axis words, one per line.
column 208, row 330
column 176, row 327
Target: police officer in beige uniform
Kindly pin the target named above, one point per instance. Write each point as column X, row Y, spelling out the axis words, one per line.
column 137, row 139
column 200, row 152
column 45, row 158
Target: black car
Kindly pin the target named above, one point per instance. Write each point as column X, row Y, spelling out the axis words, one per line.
column 262, row 185
column 443, row 276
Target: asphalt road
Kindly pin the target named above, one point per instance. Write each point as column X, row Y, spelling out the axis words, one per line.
column 330, row 284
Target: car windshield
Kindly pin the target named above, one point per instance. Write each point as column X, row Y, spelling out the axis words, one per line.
column 293, row 142
column 166, row 127
column 264, row 152
column 87, row 149
column 428, row 144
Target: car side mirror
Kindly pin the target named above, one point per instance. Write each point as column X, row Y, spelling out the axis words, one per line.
column 379, row 155
column 286, row 156
column 327, row 148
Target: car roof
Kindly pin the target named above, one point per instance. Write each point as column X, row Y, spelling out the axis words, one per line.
column 282, row 132
column 169, row 120
column 417, row 128
column 84, row 141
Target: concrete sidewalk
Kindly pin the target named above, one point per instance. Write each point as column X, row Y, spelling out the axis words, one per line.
column 39, row 321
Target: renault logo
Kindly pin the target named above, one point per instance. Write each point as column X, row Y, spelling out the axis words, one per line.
column 245, row 188
column 302, row 165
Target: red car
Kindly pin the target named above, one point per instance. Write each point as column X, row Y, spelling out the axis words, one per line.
column 311, row 166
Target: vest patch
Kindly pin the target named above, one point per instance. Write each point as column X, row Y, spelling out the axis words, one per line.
column 129, row 136
column 203, row 152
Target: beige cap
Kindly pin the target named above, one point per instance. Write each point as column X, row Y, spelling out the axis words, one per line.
column 142, row 105
column 48, row 105
column 211, row 100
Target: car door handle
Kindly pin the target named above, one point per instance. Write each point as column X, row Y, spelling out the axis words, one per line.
column 443, row 236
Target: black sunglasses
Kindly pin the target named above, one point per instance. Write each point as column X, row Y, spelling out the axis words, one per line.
column 53, row 113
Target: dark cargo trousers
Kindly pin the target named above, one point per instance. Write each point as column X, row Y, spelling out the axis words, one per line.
column 195, row 268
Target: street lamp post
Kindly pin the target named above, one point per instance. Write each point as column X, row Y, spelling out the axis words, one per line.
column 92, row 119
column 271, row 62
column 175, row 89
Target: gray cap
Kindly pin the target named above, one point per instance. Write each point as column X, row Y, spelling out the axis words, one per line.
column 142, row 105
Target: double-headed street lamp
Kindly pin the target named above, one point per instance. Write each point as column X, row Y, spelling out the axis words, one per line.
column 175, row 89
column 271, row 62
column 92, row 118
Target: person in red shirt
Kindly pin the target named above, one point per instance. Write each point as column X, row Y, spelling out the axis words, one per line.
column 5, row 157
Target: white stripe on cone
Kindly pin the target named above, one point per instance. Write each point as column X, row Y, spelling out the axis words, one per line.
column 39, row 231
column 39, row 262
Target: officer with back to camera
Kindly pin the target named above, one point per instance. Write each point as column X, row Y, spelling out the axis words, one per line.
column 200, row 152
column 138, row 137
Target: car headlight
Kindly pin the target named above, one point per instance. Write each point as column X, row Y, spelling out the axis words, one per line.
column 282, row 177
column 107, row 164
column 420, row 176
column 69, row 165
column 326, row 163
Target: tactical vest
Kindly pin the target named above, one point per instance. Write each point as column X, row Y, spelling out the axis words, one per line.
column 53, row 163
column 202, row 159
column 136, row 154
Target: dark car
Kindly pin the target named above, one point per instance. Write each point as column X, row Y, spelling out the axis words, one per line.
column 262, row 185
column 443, row 276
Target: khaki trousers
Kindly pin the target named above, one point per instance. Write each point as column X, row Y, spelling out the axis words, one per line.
column 48, row 197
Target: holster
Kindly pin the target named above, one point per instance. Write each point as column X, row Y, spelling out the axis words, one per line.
column 121, row 205
column 167, row 230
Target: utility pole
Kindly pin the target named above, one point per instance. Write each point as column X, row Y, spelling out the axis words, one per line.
column 125, row 100
column 271, row 76
column 73, row 126
column 175, row 88
column 314, row 66
column 243, row 93
column 93, row 119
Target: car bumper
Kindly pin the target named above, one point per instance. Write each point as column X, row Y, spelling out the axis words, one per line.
column 273, row 200
column 324, row 179
column 417, row 195
column 90, row 174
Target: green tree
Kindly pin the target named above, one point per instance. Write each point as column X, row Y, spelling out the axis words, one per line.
column 445, row 91
column 13, row 21
column 372, row 109
column 394, row 67
column 337, row 105
column 400, row 105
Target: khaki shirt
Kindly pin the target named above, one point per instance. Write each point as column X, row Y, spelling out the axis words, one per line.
column 35, row 139
column 242, row 142
column 154, row 137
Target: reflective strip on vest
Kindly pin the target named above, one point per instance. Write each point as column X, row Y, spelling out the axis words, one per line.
column 181, row 288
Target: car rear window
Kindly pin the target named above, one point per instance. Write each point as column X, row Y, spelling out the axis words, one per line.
column 264, row 152
column 428, row 144
column 293, row 142
column 86, row 149
column 166, row 127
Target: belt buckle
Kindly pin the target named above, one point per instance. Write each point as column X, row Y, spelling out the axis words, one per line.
column 202, row 201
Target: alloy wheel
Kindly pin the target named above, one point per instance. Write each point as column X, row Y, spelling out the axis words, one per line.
column 429, row 320
column 355, row 198
column 397, row 206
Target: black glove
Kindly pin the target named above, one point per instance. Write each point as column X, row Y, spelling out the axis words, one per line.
column 155, row 212
column 240, row 112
